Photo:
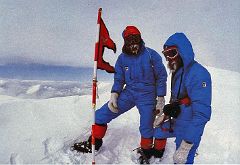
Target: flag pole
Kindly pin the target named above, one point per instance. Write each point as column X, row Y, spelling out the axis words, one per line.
column 94, row 81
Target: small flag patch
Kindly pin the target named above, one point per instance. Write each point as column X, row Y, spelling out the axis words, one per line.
column 204, row 84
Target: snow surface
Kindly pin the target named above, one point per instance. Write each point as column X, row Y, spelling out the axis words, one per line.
column 38, row 89
column 39, row 127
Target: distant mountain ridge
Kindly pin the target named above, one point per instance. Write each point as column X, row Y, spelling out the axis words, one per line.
column 36, row 71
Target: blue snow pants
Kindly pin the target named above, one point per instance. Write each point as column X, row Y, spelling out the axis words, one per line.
column 145, row 102
column 178, row 130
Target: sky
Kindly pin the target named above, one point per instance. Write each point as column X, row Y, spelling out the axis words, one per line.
column 60, row 32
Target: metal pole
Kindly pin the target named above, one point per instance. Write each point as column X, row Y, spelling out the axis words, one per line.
column 94, row 86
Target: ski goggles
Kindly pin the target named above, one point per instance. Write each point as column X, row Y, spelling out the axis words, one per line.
column 170, row 52
column 132, row 39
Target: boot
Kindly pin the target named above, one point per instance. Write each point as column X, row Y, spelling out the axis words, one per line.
column 158, row 153
column 146, row 154
column 146, row 150
column 86, row 146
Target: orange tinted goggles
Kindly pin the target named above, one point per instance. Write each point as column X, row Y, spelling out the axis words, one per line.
column 170, row 52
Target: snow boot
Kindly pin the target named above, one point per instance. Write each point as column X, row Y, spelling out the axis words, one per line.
column 158, row 153
column 86, row 146
column 146, row 154
column 145, row 151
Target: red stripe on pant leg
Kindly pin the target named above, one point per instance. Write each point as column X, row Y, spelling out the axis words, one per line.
column 99, row 131
column 160, row 144
column 146, row 143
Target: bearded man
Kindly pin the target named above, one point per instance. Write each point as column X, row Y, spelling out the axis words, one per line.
column 139, row 80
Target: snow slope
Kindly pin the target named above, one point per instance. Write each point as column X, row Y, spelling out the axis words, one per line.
column 42, row 130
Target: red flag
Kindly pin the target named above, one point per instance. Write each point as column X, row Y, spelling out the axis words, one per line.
column 104, row 41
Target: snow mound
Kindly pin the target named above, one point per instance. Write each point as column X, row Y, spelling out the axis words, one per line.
column 33, row 89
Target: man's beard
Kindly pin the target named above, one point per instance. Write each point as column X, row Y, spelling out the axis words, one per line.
column 172, row 66
column 133, row 49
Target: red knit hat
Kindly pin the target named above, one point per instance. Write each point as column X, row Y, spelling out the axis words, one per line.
column 130, row 30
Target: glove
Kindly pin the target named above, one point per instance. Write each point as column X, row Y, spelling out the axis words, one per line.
column 159, row 108
column 181, row 154
column 112, row 104
column 160, row 103
column 158, row 120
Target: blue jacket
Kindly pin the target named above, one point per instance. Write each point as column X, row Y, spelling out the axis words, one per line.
column 196, row 84
column 144, row 72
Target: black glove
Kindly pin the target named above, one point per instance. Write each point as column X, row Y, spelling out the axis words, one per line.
column 172, row 110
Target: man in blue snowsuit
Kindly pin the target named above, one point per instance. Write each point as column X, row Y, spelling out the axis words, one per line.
column 190, row 104
column 139, row 80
